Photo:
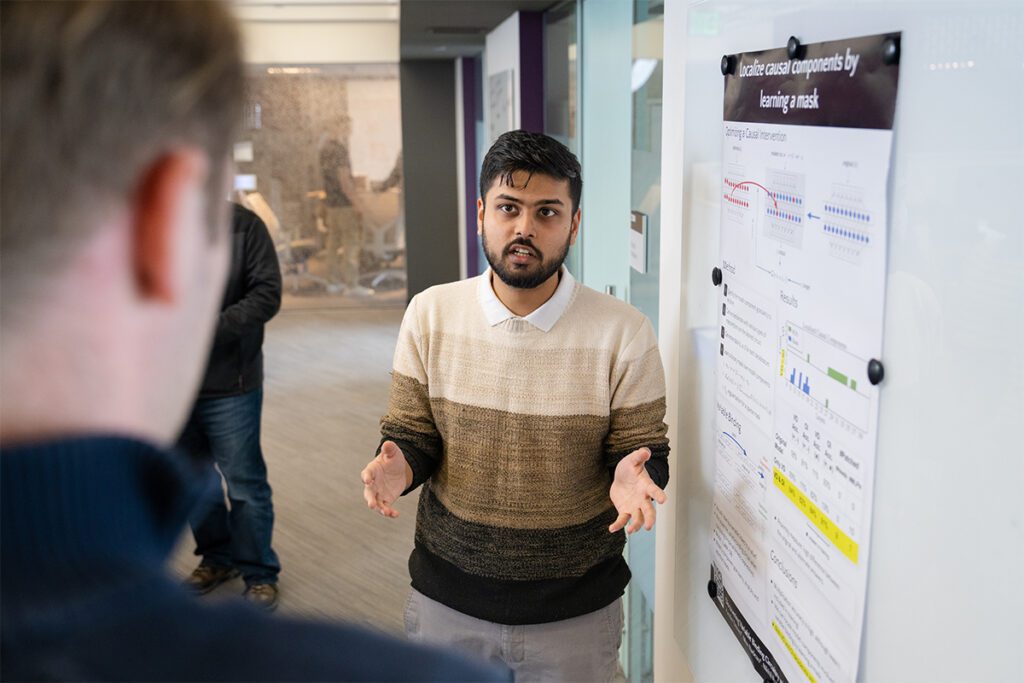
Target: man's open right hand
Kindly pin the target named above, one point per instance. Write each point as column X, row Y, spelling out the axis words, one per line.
column 385, row 478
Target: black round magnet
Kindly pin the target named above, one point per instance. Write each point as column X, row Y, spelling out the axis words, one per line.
column 891, row 51
column 712, row 589
column 793, row 47
column 728, row 64
column 716, row 276
column 876, row 371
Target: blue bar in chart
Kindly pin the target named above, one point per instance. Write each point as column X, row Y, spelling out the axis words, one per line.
column 801, row 382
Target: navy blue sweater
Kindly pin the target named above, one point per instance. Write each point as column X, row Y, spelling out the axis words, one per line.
column 86, row 529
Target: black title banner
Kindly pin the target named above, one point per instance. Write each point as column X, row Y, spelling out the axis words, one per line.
column 841, row 83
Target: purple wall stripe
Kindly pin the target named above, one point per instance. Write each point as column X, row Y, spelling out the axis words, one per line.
column 470, row 68
column 531, row 70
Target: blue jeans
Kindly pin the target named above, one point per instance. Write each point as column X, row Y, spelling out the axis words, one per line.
column 226, row 432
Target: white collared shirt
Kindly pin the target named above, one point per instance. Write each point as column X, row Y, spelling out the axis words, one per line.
column 544, row 318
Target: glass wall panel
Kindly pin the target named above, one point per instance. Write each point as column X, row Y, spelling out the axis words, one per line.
column 605, row 112
column 560, row 87
column 320, row 161
column 645, row 199
column 645, row 195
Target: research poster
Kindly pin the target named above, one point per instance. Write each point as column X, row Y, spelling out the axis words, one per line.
column 805, row 162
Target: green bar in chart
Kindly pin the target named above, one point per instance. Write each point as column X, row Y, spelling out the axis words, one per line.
column 838, row 376
column 853, row 384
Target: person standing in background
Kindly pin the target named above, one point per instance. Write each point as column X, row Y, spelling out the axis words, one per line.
column 341, row 218
column 224, row 427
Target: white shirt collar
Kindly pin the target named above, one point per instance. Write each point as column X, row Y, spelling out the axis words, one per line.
column 544, row 318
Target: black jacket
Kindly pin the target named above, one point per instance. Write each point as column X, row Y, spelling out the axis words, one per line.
column 252, row 298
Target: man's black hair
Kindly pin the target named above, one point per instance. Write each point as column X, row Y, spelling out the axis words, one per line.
column 520, row 150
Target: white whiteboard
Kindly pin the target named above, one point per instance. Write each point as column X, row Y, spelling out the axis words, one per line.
column 946, row 582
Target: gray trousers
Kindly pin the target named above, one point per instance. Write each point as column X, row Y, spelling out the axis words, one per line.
column 584, row 648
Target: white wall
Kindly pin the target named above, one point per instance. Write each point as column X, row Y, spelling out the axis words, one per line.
column 320, row 42
column 501, row 53
column 670, row 663
column 945, row 598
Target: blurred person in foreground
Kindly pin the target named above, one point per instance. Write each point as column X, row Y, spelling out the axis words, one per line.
column 117, row 120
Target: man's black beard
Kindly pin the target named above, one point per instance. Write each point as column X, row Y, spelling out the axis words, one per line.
column 524, row 280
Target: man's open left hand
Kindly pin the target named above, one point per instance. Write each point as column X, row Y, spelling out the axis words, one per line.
column 632, row 492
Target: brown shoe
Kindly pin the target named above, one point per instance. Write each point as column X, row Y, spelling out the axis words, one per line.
column 205, row 578
column 263, row 595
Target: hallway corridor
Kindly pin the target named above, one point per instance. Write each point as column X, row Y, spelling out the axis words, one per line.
column 327, row 380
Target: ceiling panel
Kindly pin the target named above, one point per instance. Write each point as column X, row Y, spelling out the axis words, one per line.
column 443, row 29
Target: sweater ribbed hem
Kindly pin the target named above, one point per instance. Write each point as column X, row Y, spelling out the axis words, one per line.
column 517, row 602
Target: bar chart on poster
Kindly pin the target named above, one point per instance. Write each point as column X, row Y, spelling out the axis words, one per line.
column 802, row 300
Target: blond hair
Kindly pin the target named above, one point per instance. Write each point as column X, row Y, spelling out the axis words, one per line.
column 93, row 93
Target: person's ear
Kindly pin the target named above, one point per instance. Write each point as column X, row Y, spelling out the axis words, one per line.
column 170, row 198
column 575, row 230
column 480, row 216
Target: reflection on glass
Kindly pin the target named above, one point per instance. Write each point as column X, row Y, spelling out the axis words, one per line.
column 645, row 198
column 560, row 93
column 560, row 74
column 320, row 161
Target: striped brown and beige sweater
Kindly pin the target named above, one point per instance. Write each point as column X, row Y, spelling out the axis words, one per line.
column 514, row 433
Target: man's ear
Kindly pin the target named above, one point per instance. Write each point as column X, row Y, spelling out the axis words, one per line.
column 171, row 195
column 575, row 230
column 480, row 216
